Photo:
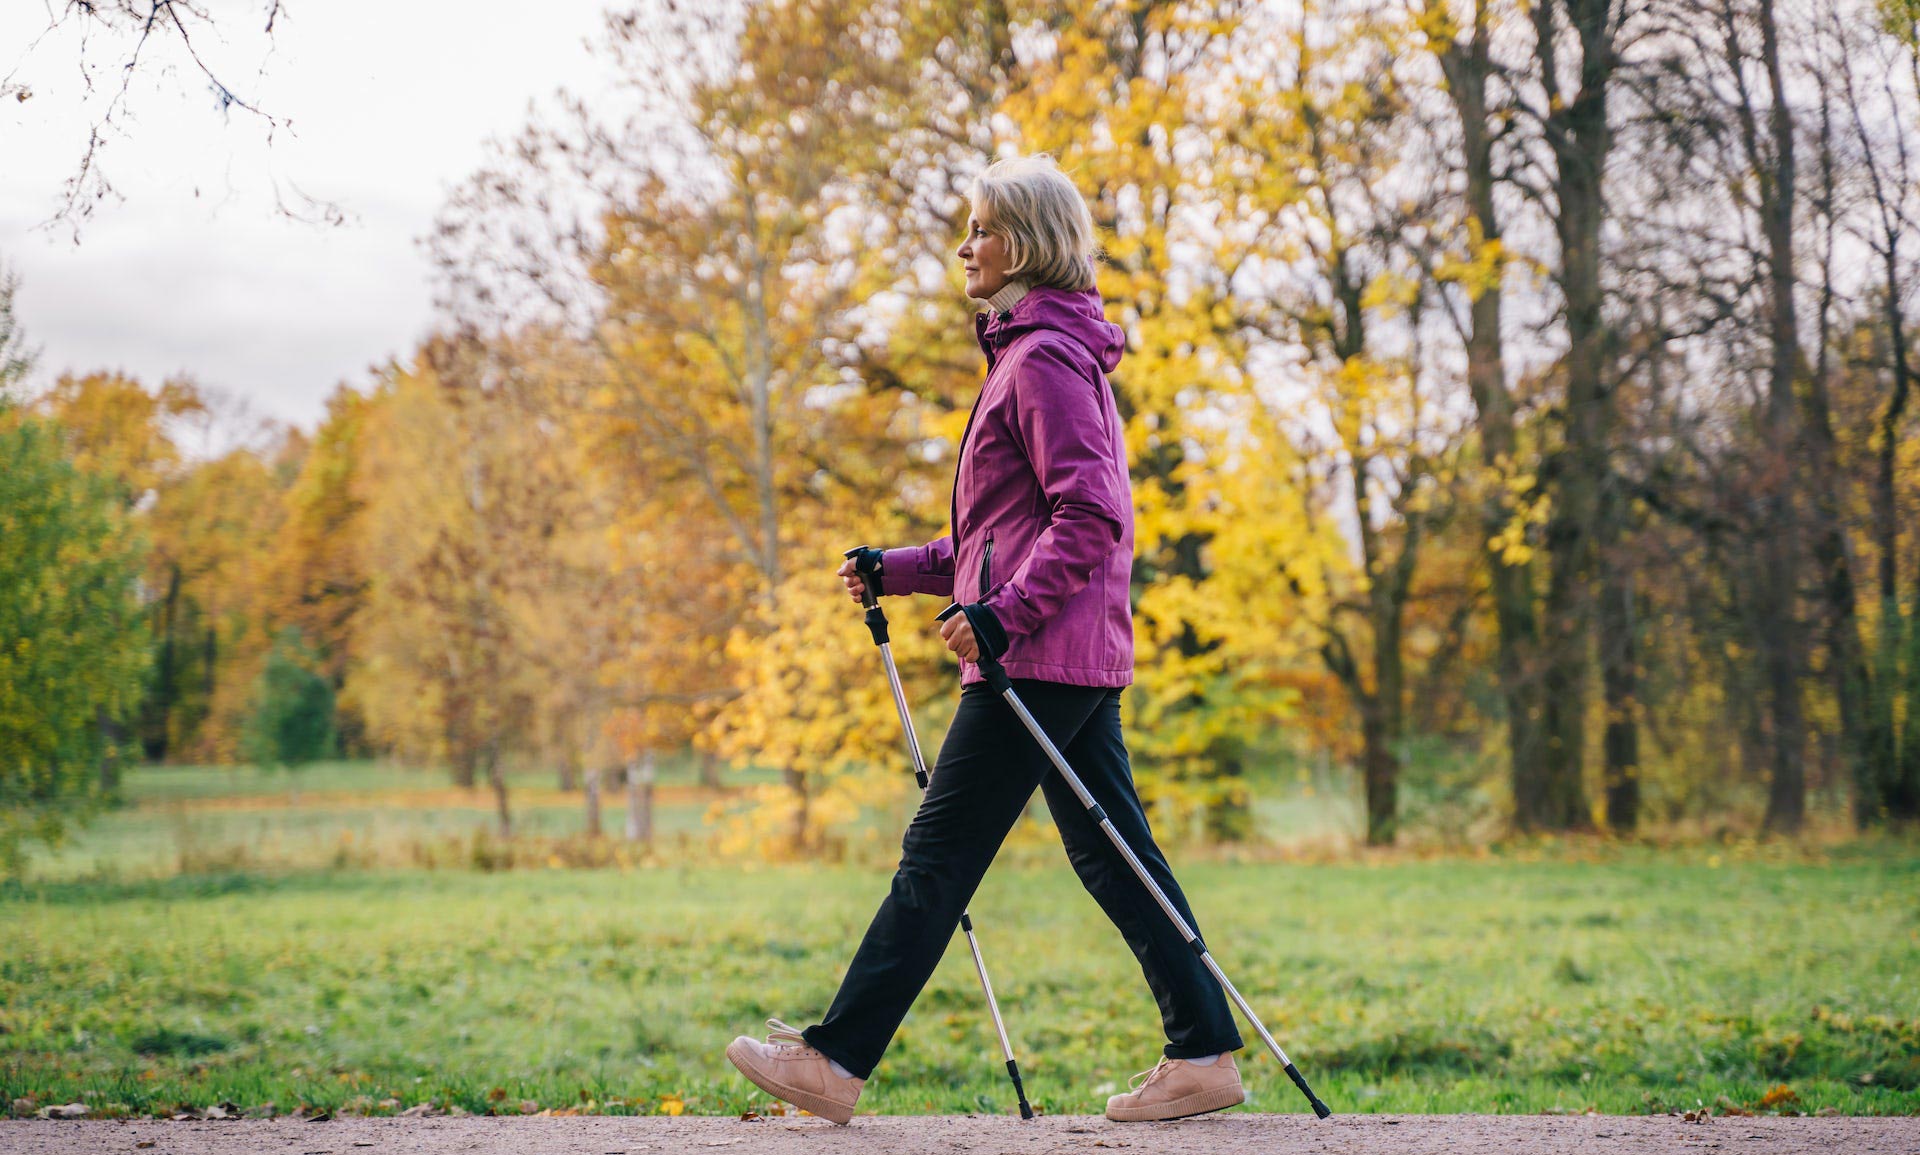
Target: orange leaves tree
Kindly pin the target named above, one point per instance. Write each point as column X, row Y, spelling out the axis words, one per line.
column 721, row 285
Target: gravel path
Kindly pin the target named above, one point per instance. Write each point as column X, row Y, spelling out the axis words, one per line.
column 982, row 1135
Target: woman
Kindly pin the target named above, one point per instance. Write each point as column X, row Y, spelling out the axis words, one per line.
column 1041, row 551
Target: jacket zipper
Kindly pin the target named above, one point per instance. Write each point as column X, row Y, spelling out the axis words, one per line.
column 986, row 568
column 959, row 460
column 953, row 505
column 960, row 457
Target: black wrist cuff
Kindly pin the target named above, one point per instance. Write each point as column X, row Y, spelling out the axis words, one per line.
column 987, row 629
column 867, row 563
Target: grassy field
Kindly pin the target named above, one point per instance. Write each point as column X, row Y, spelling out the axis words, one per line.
column 1640, row 981
column 199, row 820
column 196, row 820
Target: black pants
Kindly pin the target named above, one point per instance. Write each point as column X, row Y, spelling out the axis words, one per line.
column 987, row 769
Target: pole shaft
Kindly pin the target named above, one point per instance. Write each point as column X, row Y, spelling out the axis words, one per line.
column 966, row 919
column 986, row 984
column 906, row 716
column 1160, row 896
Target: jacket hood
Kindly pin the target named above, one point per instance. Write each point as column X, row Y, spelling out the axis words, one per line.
column 1077, row 313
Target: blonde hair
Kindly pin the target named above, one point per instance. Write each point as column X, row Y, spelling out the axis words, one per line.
column 1029, row 202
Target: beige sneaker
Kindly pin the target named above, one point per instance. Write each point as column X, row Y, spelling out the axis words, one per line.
column 786, row 1068
column 1176, row 1088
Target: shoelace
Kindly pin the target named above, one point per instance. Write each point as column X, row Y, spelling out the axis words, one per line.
column 1135, row 1083
column 781, row 1034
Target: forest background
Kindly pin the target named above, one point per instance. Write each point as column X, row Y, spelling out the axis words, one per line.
column 1518, row 401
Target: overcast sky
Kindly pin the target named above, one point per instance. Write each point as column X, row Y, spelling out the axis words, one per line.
column 195, row 273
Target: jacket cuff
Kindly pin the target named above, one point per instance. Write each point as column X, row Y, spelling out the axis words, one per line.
column 905, row 569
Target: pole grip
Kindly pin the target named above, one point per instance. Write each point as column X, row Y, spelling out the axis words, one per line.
column 876, row 617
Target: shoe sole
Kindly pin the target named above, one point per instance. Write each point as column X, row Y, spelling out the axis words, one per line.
column 1185, row 1107
column 826, row 1108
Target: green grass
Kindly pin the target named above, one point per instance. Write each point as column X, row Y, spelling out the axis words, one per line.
column 1645, row 981
column 194, row 819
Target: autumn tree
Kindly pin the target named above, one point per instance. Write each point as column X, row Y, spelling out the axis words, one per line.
column 315, row 576
column 720, row 283
column 459, row 495
column 73, row 644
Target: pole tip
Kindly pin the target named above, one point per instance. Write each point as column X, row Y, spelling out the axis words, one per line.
column 1321, row 1109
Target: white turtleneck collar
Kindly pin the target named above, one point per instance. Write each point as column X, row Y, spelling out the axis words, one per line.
column 1008, row 296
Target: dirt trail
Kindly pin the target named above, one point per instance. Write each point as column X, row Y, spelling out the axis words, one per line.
column 978, row 1135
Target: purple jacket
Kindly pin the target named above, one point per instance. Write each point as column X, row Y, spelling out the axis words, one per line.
column 1041, row 497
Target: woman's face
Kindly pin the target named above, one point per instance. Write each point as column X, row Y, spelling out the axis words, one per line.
column 985, row 257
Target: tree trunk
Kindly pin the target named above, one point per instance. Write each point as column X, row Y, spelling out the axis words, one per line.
column 1467, row 67
column 1384, row 723
column 1556, row 800
column 802, row 808
column 1781, row 637
column 1581, row 138
column 1889, row 784
column 1903, row 803
column 497, row 779
column 569, row 769
column 709, row 770
column 113, row 753
column 1858, row 689
column 1619, row 657
column 1380, row 769
column 1786, row 780
column 593, row 802
column 640, row 777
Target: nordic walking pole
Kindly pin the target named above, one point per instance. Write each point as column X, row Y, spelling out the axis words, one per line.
column 877, row 626
column 996, row 676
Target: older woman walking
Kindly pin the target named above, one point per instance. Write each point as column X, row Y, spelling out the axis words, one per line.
column 1042, row 521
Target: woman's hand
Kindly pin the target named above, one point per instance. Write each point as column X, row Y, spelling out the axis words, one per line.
column 856, row 585
column 958, row 632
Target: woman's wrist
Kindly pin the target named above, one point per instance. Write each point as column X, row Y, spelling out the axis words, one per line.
column 988, row 633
